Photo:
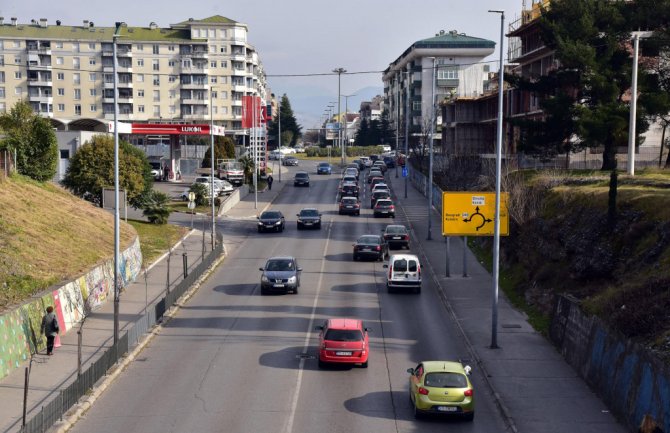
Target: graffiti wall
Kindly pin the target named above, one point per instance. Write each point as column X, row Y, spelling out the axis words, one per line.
column 20, row 328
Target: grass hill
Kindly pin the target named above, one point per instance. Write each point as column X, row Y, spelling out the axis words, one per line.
column 47, row 235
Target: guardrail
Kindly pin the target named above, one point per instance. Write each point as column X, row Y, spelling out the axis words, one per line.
column 69, row 396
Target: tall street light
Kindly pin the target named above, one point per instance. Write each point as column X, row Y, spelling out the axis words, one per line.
column 430, row 152
column 496, row 218
column 211, row 162
column 633, row 102
column 346, row 111
column 407, row 114
column 117, row 289
column 339, row 72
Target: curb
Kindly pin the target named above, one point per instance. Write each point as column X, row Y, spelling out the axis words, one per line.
column 81, row 408
column 504, row 411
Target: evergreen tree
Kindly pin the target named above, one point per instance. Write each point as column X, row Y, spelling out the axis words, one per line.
column 386, row 134
column 288, row 123
column 375, row 135
column 363, row 133
column 224, row 148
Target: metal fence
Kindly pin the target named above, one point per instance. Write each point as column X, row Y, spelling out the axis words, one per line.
column 69, row 396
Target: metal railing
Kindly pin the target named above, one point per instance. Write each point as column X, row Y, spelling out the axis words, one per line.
column 67, row 397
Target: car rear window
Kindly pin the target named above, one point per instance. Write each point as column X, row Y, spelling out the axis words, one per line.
column 343, row 335
column 400, row 265
column 445, row 380
column 384, row 203
column 368, row 240
column 349, row 201
column 393, row 230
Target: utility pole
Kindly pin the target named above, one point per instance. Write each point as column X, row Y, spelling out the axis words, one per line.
column 407, row 128
column 211, row 160
column 279, row 134
column 339, row 72
column 117, row 289
column 430, row 151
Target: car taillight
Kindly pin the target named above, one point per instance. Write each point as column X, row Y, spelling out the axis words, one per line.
column 406, row 237
column 468, row 393
column 392, row 207
column 423, row 391
column 378, row 248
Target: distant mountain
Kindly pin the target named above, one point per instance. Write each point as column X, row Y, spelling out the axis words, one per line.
column 309, row 110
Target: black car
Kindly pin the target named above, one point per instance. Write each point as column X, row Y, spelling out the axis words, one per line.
column 378, row 195
column 396, row 235
column 389, row 161
column 374, row 173
column 301, row 178
column 289, row 160
column 384, row 207
column 360, row 164
column 370, row 247
column 271, row 220
column 309, row 217
column 349, row 189
column 350, row 206
column 280, row 274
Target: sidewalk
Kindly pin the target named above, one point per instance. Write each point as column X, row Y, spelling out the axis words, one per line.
column 50, row 374
column 536, row 390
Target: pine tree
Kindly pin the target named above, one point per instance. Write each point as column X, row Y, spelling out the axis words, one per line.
column 288, row 123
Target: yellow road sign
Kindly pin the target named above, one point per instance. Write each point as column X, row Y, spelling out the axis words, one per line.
column 473, row 213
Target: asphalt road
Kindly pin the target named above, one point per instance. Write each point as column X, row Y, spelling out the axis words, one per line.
column 233, row 361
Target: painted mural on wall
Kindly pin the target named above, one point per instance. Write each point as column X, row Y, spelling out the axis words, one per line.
column 20, row 328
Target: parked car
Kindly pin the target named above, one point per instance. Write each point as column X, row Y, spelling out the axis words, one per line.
column 349, row 205
column 289, row 160
column 301, row 178
column 389, row 161
column 271, row 220
column 287, row 150
column 383, row 207
column 309, row 217
column 156, row 170
column 378, row 195
column 370, row 247
column 396, row 235
column 324, row 168
column 441, row 387
column 343, row 341
column 274, row 155
column 280, row 274
column 404, row 272
column 374, row 173
column 349, row 189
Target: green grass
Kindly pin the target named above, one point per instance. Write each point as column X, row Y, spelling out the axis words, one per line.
column 155, row 239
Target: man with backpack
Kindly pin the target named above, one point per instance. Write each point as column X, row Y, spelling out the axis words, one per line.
column 50, row 328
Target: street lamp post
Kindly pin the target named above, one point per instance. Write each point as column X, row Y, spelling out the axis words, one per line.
column 430, row 152
column 346, row 111
column 339, row 72
column 496, row 218
column 211, row 163
column 117, row 289
column 254, row 150
column 279, row 135
column 633, row 102
column 407, row 114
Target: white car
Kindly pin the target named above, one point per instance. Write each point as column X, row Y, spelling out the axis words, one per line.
column 404, row 272
column 366, row 160
column 287, row 150
column 380, row 187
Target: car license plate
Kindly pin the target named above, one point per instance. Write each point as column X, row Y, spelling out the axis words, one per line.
column 278, row 285
column 447, row 408
column 343, row 353
column 350, row 207
column 385, row 211
column 396, row 237
column 366, row 249
column 308, row 224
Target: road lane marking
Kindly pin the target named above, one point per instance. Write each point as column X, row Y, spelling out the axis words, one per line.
column 301, row 367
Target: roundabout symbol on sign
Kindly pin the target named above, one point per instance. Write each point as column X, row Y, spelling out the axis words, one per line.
column 480, row 216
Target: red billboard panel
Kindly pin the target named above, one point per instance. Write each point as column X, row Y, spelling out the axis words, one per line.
column 248, row 105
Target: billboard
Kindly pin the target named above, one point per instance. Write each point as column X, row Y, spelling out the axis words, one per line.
column 331, row 130
column 248, row 105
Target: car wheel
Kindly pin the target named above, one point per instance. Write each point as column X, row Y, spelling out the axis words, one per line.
column 355, row 258
column 295, row 291
column 260, row 230
column 322, row 364
column 364, row 365
column 263, row 292
column 388, row 288
column 299, row 226
column 282, row 228
column 318, row 227
column 417, row 290
column 470, row 416
column 417, row 412
column 358, row 213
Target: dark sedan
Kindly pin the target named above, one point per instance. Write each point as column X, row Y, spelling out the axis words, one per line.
column 370, row 247
column 396, row 235
column 349, row 189
column 289, row 160
column 280, row 274
column 301, row 178
column 309, row 217
column 384, row 208
column 389, row 161
column 378, row 195
column 324, row 168
column 271, row 220
column 350, row 206
column 374, row 173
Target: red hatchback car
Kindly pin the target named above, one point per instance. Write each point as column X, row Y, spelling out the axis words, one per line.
column 343, row 341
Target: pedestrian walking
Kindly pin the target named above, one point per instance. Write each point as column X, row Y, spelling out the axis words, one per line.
column 270, row 180
column 50, row 328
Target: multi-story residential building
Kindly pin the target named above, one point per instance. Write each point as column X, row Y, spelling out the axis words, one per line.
column 456, row 59
column 190, row 72
column 372, row 110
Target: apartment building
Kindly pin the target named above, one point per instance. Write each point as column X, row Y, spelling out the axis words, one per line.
column 456, row 59
column 164, row 74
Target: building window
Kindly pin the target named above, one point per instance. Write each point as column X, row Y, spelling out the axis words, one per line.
column 61, row 107
column 17, row 44
column 17, row 60
column 91, row 61
column 172, row 109
column 155, row 65
column 77, row 94
column 3, row 107
column 224, row 110
column 18, row 91
column 171, row 63
column 447, row 73
column 224, row 94
column 91, row 46
column 93, row 108
column 17, row 75
column 222, row 34
column 155, row 48
column 93, row 92
column 60, row 61
column 172, row 94
column 196, row 33
column 2, row 92
column 2, row 58
column 139, row 47
column 140, row 108
column 59, row 45
column 75, row 63
column 157, row 80
column 140, row 93
column 224, row 63
column 224, row 49
column 212, row 64
column 60, row 76
column 140, row 62
column 212, row 49
column 186, row 64
column 157, row 95
column 172, row 79
column 140, row 78
column 213, row 80
column 77, row 109
column 170, row 47
column 76, row 78
column 92, row 76
column 75, row 47
column 157, row 111
column 416, row 105
column 2, row 76
column 61, row 91
column 224, row 80
column 215, row 110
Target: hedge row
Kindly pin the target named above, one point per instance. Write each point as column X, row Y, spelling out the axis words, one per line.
column 351, row 151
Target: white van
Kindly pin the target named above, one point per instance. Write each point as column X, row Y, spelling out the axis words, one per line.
column 386, row 148
column 404, row 272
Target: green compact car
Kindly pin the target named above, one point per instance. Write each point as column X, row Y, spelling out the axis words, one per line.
column 441, row 387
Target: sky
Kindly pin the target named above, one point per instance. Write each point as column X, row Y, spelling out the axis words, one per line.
column 298, row 37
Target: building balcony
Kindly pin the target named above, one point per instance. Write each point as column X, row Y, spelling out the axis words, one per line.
column 47, row 99
column 110, row 69
column 239, row 72
column 195, row 116
column 236, row 103
column 121, row 100
column 43, row 51
column 194, row 70
column 195, row 86
column 199, row 54
column 238, row 57
column 239, row 88
column 39, row 67
column 125, row 84
column 122, row 116
column 195, row 101
column 40, row 82
column 48, row 114
column 124, row 53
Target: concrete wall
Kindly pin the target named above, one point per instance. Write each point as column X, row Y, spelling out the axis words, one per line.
column 631, row 381
column 20, row 328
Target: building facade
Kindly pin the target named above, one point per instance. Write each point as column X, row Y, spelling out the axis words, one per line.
column 452, row 60
column 164, row 74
